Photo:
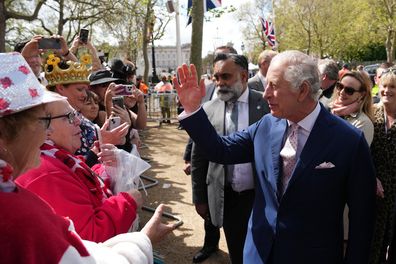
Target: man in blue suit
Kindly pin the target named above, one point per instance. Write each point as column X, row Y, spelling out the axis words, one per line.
column 297, row 216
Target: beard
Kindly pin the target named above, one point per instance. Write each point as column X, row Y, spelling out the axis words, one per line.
column 230, row 93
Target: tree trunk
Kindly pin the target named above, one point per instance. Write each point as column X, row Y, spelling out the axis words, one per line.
column 146, row 39
column 389, row 44
column 2, row 25
column 197, row 14
column 61, row 20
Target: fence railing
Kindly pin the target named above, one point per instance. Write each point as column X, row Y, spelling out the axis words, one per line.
column 161, row 106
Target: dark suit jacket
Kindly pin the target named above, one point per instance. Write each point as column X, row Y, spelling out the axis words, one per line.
column 208, row 177
column 306, row 225
column 256, row 84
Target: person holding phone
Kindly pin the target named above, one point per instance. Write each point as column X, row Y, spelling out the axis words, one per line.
column 32, row 51
column 25, row 217
column 75, row 89
column 79, row 44
column 119, row 106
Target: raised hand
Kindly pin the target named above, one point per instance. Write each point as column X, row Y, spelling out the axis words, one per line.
column 189, row 91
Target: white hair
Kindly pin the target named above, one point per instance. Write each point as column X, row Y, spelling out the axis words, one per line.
column 300, row 68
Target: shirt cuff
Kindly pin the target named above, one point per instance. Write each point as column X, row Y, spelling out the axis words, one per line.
column 184, row 115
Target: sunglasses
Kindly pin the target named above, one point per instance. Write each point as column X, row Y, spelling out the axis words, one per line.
column 71, row 117
column 348, row 90
column 389, row 70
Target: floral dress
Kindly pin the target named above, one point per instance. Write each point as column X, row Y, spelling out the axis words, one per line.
column 383, row 150
column 88, row 136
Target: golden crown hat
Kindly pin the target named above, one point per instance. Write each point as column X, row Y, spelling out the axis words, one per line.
column 76, row 72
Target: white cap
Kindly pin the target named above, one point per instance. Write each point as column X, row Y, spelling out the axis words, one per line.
column 19, row 87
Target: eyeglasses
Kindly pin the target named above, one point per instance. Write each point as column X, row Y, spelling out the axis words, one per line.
column 389, row 70
column 71, row 118
column 348, row 90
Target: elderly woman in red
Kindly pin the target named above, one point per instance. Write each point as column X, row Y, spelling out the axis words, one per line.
column 72, row 188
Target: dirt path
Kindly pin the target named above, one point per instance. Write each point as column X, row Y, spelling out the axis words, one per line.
column 165, row 148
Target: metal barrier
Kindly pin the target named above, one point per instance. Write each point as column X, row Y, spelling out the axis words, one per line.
column 161, row 106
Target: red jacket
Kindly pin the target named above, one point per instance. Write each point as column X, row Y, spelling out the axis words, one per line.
column 73, row 197
column 30, row 232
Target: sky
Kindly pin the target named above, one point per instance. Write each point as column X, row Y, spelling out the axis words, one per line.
column 218, row 31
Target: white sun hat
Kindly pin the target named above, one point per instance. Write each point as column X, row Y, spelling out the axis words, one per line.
column 19, row 87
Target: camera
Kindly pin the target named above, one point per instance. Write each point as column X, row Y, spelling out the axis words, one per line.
column 49, row 43
column 124, row 89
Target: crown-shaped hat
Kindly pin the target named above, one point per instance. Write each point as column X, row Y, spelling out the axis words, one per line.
column 57, row 72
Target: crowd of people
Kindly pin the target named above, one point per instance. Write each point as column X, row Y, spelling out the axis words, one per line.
column 60, row 145
column 297, row 163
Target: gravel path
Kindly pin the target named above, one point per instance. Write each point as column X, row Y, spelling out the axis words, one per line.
column 165, row 147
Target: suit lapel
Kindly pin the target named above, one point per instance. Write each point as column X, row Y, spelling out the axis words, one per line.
column 217, row 112
column 276, row 138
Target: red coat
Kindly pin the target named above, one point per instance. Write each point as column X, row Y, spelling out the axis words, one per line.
column 77, row 198
column 30, row 232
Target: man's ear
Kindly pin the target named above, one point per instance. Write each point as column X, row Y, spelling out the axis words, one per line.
column 244, row 76
column 304, row 91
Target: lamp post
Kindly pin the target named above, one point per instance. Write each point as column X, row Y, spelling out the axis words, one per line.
column 154, row 79
column 174, row 7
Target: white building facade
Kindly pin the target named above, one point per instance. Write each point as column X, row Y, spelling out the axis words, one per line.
column 165, row 59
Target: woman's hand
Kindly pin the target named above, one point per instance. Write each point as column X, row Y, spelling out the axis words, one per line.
column 137, row 196
column 115, row 136
column 380, row 189
column 155, row 229
column 107, row 155
column 122, row 113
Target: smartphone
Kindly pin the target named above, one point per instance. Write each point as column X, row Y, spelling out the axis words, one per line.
column 99, row 135
column 114, row 121
column 84, row 35
column 118, row 100
column 49, row 43
column 124, row 89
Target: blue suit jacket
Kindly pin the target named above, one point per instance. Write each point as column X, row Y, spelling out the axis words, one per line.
column 306, row 224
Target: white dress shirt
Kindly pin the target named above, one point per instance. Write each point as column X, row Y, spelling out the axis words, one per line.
column 305, row 129
column 243, row 173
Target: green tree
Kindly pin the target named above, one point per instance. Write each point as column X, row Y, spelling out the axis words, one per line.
column 10, row 9
column 384, row 16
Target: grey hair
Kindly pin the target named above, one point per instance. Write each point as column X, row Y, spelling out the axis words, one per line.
column 267, row 55
column 328, row 67
column 300, row 68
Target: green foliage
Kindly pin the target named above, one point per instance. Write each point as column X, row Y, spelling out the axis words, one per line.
column 343, row 30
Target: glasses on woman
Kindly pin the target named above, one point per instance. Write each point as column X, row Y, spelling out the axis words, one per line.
column 71, row 118
column 389, row 70
column 348, row 90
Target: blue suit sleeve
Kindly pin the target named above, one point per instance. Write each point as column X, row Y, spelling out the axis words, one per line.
column 233, row 149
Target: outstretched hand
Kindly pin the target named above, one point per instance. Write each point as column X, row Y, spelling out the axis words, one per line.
column 189, row 91
column 155, row 229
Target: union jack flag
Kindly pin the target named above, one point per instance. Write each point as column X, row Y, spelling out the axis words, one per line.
column 269, row 31
column 208, row 5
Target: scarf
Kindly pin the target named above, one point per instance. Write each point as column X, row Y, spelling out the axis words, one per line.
column 340, row 109
column 77, row 165
column 6, row 183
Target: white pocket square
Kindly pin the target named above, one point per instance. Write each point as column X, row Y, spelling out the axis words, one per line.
column 325, row 165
